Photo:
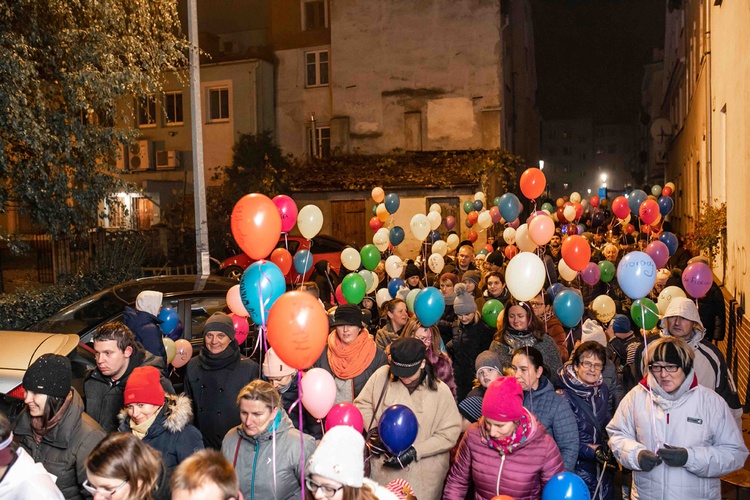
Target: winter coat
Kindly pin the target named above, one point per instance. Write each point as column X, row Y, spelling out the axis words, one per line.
column 444, row 371
column 253, row 459
column 27, row 479
column 520, row 474
column 614, row 384
column 554, row 413
column 596, row 397
column 358, row 382
column 439, row 428
column 712, row 312
column 385, row 336
column 64, row 449
column 468, row 342
column 104, row 396
column 172, row 434
column 556, row 330
column 145, row 327
column 693, row 417
column 214, row 396
column 546, row 346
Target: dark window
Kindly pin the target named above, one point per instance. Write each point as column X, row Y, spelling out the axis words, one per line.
column 147, row 111
column 316, row 68
column 315, row 14
column 218, row 99
column 173, row 107
column 323, row 140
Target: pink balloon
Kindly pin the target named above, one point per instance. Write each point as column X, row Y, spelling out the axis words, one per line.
column 495, row 215
column 345, row 414
column 541, row 229
column 184, row 353
column 591, row 274
column 234, row 302
column 241, row 328
column 287, row 210
column 450, row 222
column 697, row 279
column 318, row 392
column 659, row 252
column 340, row 295
column 515, row 223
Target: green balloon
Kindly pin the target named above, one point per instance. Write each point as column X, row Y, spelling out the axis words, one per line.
column 490, row 311
column 353, row 288
column 374, row 210
column 468, row 206
column 548, row 207
column 645, row 313
column 370, row 256
column 410, row 298
column 606, row 271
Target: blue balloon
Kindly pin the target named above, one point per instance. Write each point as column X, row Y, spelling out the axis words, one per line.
column 635, row 199
column 665, row 205
column 581, row 228
column 568, row 306
column 478, row 205
column 398, row 428
column 429, row 306
column 636, row 274
column 395, row 285
column 597, row 219
column 670, row 240
column 260, row 286
column 554, row 289
column 169, row 320
column 392, row 203
column 510, row 207
column 303, row 261
column 396, row 235
column 433, row 236
column 566, row 486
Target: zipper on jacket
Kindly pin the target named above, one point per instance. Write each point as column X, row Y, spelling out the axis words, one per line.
column 252, row 480
column 499, row 473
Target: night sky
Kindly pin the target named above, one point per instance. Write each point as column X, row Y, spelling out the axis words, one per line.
column 590, row 56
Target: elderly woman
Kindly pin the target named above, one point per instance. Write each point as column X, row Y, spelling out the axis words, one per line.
column 507, row 452
column 410, row 380
column 350, row 355
column 430, row 337
column 214, row 377
column 677, row 436
column 396, row 316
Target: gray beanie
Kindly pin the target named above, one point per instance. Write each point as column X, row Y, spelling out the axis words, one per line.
column 488, row 359
column 220, row 322
column 464, row 301
column 474, row 276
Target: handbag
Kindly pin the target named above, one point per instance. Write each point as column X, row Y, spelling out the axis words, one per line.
column 373, row 436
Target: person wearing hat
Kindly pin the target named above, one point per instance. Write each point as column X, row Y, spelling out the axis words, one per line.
column 675, row 434
column 53, row 428
column 472, row 279
column 507, row 452
column 350, row 354
column 336, row 471
column 430, row 336
column 495, row 261
column 412, row 276
column 144, row 323
column 447, row 282
column 488, row 368
column 396, row 314
column 623, row 345
column 162, row 421
column 215, row 377
column 410, row 380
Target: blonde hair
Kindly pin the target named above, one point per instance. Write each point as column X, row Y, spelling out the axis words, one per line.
column 260, row 390
column 658, row 351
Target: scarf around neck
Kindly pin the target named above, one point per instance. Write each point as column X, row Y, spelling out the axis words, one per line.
column 37, row 428
column 516, row 339
column 140, row 430
column 210, row 361
column 348, row 361
column 666, row 400
column 507, row 445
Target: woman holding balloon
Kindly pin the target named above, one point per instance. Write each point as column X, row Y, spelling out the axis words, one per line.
column 426, row 420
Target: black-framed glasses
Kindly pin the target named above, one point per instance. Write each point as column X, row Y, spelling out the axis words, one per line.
column 328, row 491
column 659, row 368
column 106, row 492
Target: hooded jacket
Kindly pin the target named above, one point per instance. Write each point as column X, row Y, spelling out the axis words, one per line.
column 104, row 396
column 145, row 327
column 521, row 474
column 468, row 342
column 26, row 479
column 262, row 474
column 693, row 417
column 64, row 449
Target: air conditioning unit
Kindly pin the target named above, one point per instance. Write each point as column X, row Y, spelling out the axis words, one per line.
column 167, row 159
column 140, row 155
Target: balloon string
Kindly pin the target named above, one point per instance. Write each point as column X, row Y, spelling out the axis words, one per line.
column 301, row 437
column 273, row 446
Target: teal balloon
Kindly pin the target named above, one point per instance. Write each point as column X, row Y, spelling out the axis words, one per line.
column 396, row 235
column 468, row 206
column 429, row 306
column 606, row 271
column 261, row 285
column 392, row 203
column 496, row 201
column 353, row 288
column 548, row 207
column 303, row 261
column 568, row 306
column 410, row 298
column 510, row 207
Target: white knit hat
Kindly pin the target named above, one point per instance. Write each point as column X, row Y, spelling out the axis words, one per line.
column 274, row 367
column 593, row 331
column 339, row 457
column 149, row 301
column 684, row 307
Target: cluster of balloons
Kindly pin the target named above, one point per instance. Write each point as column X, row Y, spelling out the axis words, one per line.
column 178, row 352
column 477, row 213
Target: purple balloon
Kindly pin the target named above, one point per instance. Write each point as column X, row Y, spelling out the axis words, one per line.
column 495, row 215
column 515, row 224
column 659, row 252
column 591, row 274
column 450, row 222
column 697, row 279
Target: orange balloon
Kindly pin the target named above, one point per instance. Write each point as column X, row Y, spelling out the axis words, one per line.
column 533, row 183
column 382, row 212
column 472, row 235
column 256, row 225
column 297, row 329
column 576, row 252
column 502, row 497
column 472, row 216
column 559, row 203
column 282, row 258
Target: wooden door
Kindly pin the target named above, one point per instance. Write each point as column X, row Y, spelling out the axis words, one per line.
column 349, row 221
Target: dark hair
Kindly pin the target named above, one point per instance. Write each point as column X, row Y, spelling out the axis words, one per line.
column 591, row 346
column 51, row 408
column 5, row 428
column 535, row 358
column 496, row 274
column 535, row 326
column 115, row 330
column 428, row 374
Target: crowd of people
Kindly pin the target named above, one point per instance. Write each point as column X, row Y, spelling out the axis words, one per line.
column 501, row 408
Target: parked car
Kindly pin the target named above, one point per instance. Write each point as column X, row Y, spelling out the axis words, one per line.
column 323, row 247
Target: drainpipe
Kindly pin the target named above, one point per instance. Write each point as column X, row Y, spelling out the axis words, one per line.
column 709, row 116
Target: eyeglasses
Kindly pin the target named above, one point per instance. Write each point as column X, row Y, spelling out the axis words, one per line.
column 426, row 340
column 108, row 493
column 660, row 368
column 589, row 365
column 536, row 305
column 327, row 490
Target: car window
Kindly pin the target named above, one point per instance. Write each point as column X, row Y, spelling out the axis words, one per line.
column 97, row 309
column 327, row 246
column 293, row 245
column 201, row 308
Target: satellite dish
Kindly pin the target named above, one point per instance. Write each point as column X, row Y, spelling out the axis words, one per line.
column 661, row 130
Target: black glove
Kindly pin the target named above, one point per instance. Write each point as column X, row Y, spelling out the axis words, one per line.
column 647, row 461
column 673, row 456
column 402, row 460
column 374, row 444
column 604, row 456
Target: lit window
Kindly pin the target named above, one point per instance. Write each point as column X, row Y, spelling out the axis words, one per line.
column 218, row 104
column 173, row 108
column 147, row 111
column 316, row 68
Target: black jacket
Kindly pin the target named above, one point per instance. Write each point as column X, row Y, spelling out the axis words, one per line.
column 468, row 342
column 146, row 329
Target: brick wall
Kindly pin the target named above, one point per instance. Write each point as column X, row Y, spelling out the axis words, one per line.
column 736, row 344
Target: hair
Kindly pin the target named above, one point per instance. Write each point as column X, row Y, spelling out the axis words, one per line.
column 535, row 326
column 260, row 390
column 590, row 346
column 205, row 467
column 51, row 408
column 496, row 274
column 411, row 327
column 535, row 358
column 390, row 306
column 428, row 374
column 5, row 429
column 312, row 288
column 115, row 330
column 657, row 351
column 123, row 456
column 545, row 296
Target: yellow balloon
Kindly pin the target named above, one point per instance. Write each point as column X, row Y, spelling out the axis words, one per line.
column 170, row 347
column 604, row 308
column 382, row 212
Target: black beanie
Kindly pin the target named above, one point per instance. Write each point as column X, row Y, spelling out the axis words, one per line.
column 411, row 270
column 51, row 374
column 220, row 322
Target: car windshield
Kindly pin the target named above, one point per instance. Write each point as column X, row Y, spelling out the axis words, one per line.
column 81, row 316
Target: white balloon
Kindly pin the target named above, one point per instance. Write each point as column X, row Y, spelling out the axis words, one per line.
column 523, row 239
column 436, row 208
column 524, row 276
column 566, row 272
column 440, row 247
column 436, row 263
column 382, row 296
column 375, row 282
column 380, row 239
column 452, row 241
column 394, row 266
column 351, row 259
column 509, row 235
column 575, row 197
column 484, row 220
column 480, row 196
column 585, row 204
column 369, row 280
column 569, row 213
column 420, row 226
column 435, row 220
column 309, row 221
column 666, row 296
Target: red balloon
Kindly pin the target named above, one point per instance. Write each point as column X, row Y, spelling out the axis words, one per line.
column 620, row 207
column 579, row 210
column 511, row 251
column 646, row 229
column 472, row 217
column 340, row 295
column 594, row 200
column 649, row 211
column 533, row 182
column 489, row 248
column 629, row 228
column 256, row 225
column 576, row 252
column 282, row 258
column 666, row 191
column 561, row 214
column 472, row 235
column 297, row 329
column 375, row 224
column 345, row 414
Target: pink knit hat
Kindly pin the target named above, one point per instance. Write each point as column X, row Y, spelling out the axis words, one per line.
column 503, row 400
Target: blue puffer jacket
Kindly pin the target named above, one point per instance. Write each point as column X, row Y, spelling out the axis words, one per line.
column 596, row 397
column 146, row 329
column 553, row 411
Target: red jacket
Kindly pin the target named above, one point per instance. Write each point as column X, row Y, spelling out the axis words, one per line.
column 521, row 474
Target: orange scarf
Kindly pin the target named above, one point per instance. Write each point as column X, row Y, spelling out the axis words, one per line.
column 348, row 361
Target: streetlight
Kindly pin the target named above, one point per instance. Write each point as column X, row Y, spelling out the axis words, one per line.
column 604, row 179
column 541, row 164
column 589, row 191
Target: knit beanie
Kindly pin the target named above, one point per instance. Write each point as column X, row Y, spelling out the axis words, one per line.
column 464, row 301
column 50, row 374
column 273, row 366
column 449, row 276
column 503, row 400
column 473, row 276
column 471, row 408
column 149, row 301
column 621, row 324
column 496, row 258
column 338, row 457
column 411, row 270
column 488, row 359
column 593, row 331
column 144, row 386
column 220, row 322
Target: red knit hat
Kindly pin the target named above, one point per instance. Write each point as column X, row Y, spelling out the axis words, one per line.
column 144, row 386
column 503, row 400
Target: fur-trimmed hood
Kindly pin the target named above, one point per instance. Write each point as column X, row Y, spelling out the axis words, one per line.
column 174, row 416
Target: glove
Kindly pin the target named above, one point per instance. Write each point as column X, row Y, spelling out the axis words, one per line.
column 673, row 456
column 402, row 460
column 647, row 461
column 604, row 456
column 374, row 444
